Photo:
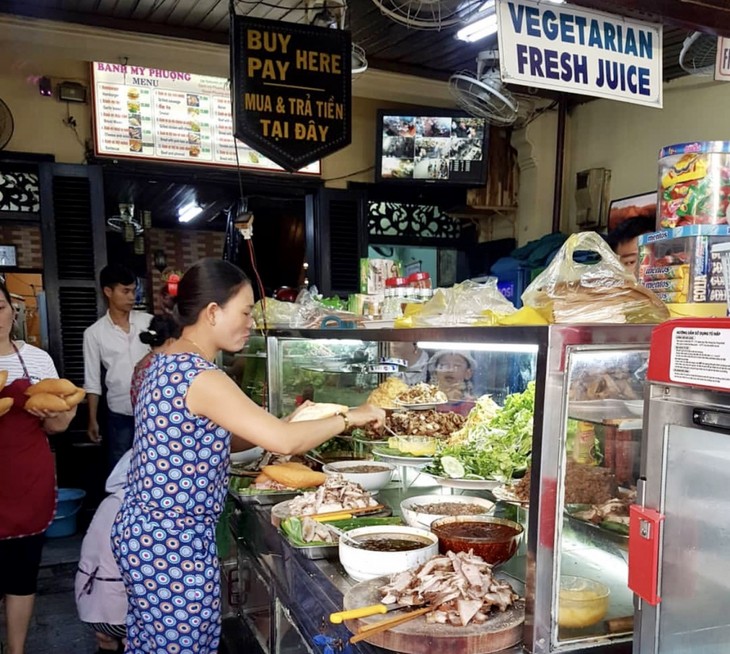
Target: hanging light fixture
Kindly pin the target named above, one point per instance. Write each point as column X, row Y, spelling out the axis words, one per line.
column 147, row 219
column 159, row 260
column 139, row 244
column 128, row 231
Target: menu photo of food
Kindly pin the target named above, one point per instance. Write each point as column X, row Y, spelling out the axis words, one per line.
column 193, row 100
column 134, row 119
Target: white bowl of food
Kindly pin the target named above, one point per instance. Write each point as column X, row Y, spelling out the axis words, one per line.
column 371, row 475
column 422, row 510
column 369, row 552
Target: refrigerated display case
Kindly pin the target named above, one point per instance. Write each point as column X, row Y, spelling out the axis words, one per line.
column 679, row 527
column 589, row 383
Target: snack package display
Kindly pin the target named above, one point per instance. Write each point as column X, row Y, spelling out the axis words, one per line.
column 374, row 272
column 694, row 184
column 680, row 266
column 571, row 292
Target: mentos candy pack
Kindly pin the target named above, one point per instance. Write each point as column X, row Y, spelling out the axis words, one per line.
column 678, row 265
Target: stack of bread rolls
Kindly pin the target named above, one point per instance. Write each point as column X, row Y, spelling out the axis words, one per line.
column 55, row 395
column 7, row 402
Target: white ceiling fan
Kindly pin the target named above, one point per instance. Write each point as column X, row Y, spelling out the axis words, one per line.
column 428, row 14
column 483, row 94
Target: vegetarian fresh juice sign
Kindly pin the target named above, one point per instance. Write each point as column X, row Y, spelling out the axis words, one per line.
column 580, row 51
column 292, row 87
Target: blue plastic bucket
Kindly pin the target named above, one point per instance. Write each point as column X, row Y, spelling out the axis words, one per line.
column 69, row 503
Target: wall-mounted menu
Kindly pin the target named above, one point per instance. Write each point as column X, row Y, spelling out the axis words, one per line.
column 150, row 113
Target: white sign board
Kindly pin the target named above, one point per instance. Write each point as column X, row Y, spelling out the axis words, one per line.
column 572, row 50
column 148, row 113
column 722, row 63
column 701, row 357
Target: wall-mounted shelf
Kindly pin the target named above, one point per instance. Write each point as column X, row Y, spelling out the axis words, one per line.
column 485, row 216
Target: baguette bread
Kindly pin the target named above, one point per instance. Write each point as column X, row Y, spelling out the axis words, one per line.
column 294, row 477
column 6, row 404
column 75, row 398
column 46, row 402
column 3, row 378
column 52, row 386
column 319, row 411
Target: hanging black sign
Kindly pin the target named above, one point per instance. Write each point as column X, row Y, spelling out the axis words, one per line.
column 291, row 89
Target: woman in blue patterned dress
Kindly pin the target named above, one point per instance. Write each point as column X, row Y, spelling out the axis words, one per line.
column 186, row 413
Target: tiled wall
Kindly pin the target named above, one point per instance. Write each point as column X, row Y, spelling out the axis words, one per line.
column 182, row 249
column 27, row 240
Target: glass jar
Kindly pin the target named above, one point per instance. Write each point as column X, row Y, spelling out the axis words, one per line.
column 421, row 283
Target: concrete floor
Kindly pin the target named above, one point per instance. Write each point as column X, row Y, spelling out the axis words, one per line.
column 55, row 627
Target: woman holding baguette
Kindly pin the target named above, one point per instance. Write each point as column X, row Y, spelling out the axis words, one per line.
column 27, row 473
column 188, row 415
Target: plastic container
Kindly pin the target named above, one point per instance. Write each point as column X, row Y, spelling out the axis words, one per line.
column 722, row 251
column 69, row 504
column 680, row 266
column 694, row 184
column 581, row 602
column 420, row 285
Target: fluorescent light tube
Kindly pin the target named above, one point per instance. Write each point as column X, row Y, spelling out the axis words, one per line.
column 517, row 348
column 479, row 29
column 188, row 212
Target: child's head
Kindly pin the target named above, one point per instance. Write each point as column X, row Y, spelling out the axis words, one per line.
column 451, row 371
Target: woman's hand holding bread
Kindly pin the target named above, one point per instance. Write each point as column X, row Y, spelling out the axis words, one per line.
column 51, row 397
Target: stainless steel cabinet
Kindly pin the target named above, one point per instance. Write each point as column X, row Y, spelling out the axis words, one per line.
column 586, row 378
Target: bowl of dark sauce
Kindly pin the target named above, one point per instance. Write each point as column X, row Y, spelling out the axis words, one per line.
column 494, row 539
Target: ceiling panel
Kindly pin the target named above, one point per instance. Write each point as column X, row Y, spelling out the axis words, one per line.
column 388, row 45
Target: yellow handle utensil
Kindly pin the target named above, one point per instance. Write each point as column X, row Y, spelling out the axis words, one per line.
column 362, row 612
column 371, row 629
column 331, row 517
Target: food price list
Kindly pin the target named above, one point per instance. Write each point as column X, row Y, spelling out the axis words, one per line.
column 151, row 113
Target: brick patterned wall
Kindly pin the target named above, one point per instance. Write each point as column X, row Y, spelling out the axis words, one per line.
column 27, row 240
column 182, row 249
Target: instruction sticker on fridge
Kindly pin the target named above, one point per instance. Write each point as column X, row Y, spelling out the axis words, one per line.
column 701, row 357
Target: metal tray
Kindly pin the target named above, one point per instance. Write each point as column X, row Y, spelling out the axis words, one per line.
column 316, row 552
column 268, row 499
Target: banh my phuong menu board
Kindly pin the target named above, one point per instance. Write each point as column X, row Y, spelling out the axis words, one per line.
column 150, row 113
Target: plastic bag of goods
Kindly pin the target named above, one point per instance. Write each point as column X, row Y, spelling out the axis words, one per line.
column 602, row 292
column 464, row 304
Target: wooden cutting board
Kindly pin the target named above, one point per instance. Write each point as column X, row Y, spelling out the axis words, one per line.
column 502, row 630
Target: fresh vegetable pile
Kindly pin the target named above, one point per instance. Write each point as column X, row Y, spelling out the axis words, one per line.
column 493, row 448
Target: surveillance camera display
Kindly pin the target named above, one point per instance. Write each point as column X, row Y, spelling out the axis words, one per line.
column 433, row 148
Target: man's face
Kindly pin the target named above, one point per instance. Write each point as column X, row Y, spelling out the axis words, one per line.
column 121, row 296
column 628, row 253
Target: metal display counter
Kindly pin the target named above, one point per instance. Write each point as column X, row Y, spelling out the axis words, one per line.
column 588, row 409
column 286, row 598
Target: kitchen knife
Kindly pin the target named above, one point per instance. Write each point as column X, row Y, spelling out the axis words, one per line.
column 365, row 611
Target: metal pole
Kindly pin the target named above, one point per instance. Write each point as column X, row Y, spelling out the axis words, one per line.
column 559, row 163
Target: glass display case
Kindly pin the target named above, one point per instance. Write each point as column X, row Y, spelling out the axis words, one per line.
column 585, row 454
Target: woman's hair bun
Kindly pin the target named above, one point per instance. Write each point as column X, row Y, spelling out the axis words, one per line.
column 162, row 328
